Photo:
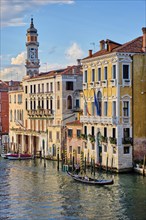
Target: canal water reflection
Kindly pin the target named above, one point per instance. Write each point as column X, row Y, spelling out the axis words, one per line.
column 30, row 191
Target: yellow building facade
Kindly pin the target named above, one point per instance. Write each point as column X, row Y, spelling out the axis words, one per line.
column 111, row 81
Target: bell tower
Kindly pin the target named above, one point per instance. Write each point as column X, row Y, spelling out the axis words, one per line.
column 32, row 62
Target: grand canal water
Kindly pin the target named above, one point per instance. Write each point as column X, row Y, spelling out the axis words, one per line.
column 30, row 191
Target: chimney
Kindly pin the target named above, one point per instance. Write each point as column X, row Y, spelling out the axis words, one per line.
column 102, row 45
column 144, row 39
column 90, row 53
column 79, row 62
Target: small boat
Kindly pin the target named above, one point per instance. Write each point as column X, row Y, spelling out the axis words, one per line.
column 16, row 156
column 5, row 155
column 91, row 181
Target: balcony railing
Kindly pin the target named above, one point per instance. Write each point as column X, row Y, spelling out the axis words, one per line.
column 113, row 82
column 113, row 140
column 104, row 139
column 126, row 82
column 40, row 113
column 98, row 120
column 77, row 109
column 127, row 140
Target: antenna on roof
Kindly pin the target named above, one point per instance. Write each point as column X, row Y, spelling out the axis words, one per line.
column 93, row 45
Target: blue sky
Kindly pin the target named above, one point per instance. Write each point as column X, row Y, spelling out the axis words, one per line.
column 67, row 30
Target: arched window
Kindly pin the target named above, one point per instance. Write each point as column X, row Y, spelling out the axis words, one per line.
column 47, row 103
column 10, row 115
column 69, row 102
column 31, row 104
column 39, row 103
column 99, row 99
column 58, row 102
column 42, row 103
column 15, row 115
column 26, row 104
column 34, row 104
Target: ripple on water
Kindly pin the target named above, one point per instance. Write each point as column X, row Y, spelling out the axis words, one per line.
column 28, row 191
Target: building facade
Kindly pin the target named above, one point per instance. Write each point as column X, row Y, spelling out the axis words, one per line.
column 49, row 100
column 4, row 114
column 111, row 86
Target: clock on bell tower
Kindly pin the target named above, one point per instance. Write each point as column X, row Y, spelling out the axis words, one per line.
column 32, row 61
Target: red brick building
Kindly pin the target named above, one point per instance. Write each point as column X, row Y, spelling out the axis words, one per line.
column 4, row 112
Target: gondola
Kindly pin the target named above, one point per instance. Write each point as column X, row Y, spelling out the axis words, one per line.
column 91, row 181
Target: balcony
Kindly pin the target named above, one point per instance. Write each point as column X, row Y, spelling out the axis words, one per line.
column 98, row 84
column 127, row 140
column 126, row 82
column 104, row 83
column 77, row 109
column 85, row 85
column 126, row 120
column 113, row 82
column 99, row 120
column 92, row 85
column 113, row 140
column 40, row 113
column 103, row 139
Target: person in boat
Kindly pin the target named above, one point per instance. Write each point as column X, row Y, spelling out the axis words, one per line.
column 86, row 178
column 77, row 169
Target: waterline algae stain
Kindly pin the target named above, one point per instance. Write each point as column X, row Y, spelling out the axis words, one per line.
column 30, row 191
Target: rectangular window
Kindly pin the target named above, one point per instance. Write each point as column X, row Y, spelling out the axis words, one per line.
column 93, row 75
column 25, row 89
column 57, row 135
column 50, row 135
column 126, row 108
column 126, row 71
column 127, row 150
column 85, row 76
column 79, row 150
column 77, row 103
column 38, row 88
column 69, row 86
column 105, row 73
column 85, row 130
column 58, row 86
column 105, row 148
column 69, row 132
column 78, row 133
column 114, row 108
column 126, row 132
column 19, row 99
column 43, row 88
column 34, row 88
column 114, row 133
column 31, row 89
column 70, row 149
column 14, row 98
column 114, row 71
column 47, row 87
column 51, row 87
column 92, row 130
column 105, row 108
column 99, row 74
column 105, row 132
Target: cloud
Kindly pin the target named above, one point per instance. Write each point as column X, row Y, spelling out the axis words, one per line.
column 13, row 11
column 45, row 67
column 17, row 69
column 74, row 52
column 19, row 60
column 13, row 73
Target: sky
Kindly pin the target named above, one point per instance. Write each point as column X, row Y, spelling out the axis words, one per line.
column 67, row 29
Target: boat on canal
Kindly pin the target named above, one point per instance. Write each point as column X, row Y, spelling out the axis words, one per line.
column 16, row 156
column 89, row 180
